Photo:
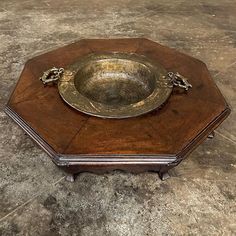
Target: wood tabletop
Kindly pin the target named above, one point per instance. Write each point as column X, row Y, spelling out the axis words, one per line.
column 176, row 129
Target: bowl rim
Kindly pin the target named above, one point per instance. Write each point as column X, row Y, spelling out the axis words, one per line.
column 78, row 101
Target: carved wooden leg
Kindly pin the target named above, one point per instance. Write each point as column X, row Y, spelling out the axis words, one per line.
column 211, row 135
column 70, row 178
column 164, row 175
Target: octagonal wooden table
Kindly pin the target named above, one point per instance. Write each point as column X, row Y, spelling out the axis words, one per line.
column 156, row 141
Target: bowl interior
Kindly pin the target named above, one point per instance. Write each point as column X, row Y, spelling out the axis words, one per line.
column 115, row 81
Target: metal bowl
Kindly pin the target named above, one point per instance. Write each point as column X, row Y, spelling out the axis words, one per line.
column 115, row 85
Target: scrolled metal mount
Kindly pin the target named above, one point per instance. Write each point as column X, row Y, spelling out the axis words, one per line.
column 178, row 80
column 114, row 85
column 51, row 75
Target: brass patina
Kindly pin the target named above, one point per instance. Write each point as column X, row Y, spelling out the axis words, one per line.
column 115, row 85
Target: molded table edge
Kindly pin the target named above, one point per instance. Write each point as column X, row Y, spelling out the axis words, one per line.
column 90, row 159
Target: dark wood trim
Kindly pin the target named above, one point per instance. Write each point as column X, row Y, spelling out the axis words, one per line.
column 204, row 134
column 65, row 160
column 18, row 120
column 65, row 138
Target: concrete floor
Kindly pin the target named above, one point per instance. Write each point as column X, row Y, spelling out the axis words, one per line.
column 199, row 199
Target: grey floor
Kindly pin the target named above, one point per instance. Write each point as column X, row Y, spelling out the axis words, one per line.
column 199, row 199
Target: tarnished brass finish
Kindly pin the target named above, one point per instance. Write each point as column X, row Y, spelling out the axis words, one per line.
column 51, row 75
column 115, row 85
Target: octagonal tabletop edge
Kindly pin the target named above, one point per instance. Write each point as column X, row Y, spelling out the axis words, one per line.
column 172, row 131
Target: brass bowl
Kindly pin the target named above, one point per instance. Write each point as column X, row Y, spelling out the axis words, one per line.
column 115, row 85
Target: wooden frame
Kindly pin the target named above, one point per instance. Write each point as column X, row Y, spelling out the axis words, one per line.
column 156, row 141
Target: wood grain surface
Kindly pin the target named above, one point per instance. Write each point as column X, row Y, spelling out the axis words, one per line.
column 176, row 129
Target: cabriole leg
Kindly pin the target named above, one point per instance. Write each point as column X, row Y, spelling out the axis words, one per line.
column 164, row 175
column 70, row 178
column 211, row 135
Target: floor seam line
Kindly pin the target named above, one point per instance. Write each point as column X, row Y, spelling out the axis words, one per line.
column 227, row 67
column 28, row 201
column 225, row 137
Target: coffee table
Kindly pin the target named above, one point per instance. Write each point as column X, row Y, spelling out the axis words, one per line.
column 156, row 141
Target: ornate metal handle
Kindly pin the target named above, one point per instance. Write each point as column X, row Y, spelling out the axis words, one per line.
column 54, row 74
column 178, row 80
column 51, row 75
